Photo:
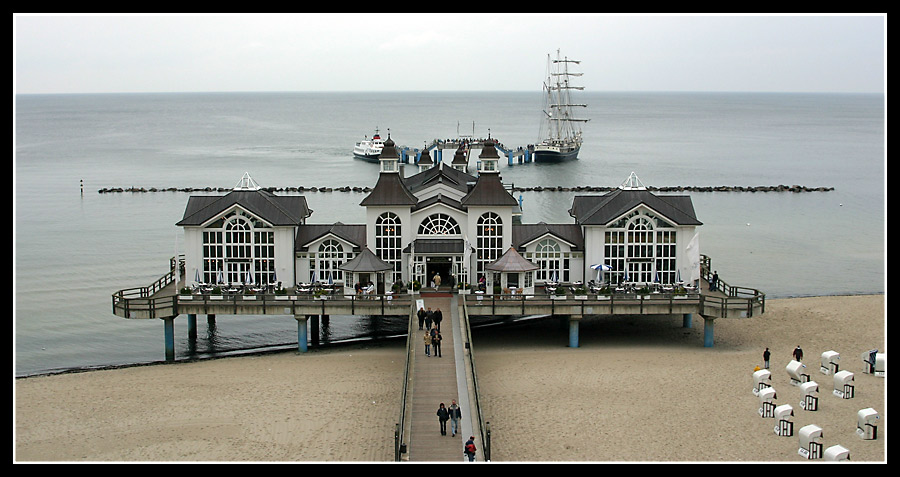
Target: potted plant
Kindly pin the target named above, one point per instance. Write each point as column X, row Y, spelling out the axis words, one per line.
column 559, row 294
column 464, row 288
column 215, row 293
column 185, row 293
column 580, row 293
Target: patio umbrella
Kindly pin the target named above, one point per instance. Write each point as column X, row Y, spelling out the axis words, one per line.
column 600, row 267
column 220, row 277
column 197, row 275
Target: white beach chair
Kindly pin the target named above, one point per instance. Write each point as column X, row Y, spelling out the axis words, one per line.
column 866, row 420
column 830, row 362
column 810, row 442
column 843, row 384
column 836, row 453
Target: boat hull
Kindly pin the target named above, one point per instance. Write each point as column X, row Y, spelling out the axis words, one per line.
column 555, row 154
column 373, row 158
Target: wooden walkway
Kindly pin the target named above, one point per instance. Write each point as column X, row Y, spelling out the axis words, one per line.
column 439, row 380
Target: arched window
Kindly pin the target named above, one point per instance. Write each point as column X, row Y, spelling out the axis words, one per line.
column 387, row 243
column 237, row 245
column 329, row 258
column 643, row 246
column 439, row 224
column 489, row 240
column 547, row 257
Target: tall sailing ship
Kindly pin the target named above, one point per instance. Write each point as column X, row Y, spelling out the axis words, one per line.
column 560, row 135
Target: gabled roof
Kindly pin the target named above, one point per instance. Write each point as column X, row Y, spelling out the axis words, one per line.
column 366, row 261
column 511, row 261
column 489, row 191
column 439, row 175
column 438, row 199
column 275, row 210
column 601, row 210
column 523, row 234
column 307, row 233
column 389, row 191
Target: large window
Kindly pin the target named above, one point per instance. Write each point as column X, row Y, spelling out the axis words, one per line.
column 387, row 243
column 489, row 244
column 641, row 248
column 237, row 248
column 439, row 224
column 330, row 256
column 547, row 257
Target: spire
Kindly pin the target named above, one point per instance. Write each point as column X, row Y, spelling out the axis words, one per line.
column 389, row 158
column 490, row 160
column 425, row 161
column 632, row 183
column 247, row 183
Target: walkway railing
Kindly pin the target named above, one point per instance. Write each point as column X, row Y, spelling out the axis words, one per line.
column 483, row 425
column 400, row 429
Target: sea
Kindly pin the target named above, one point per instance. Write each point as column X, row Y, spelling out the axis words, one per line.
column 74, row 246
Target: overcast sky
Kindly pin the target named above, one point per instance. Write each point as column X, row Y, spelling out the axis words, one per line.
column 446, row 52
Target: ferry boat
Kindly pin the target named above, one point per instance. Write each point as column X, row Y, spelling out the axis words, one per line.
column 560, row 137
column 369, row 149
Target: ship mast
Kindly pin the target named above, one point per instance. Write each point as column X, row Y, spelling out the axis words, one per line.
column 559, row 100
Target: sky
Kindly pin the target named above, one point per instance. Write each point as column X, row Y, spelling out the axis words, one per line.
column 446, row 52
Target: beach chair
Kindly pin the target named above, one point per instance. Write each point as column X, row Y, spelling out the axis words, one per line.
column 843, row 384
column 810, row 400
column 795, row 371
column 784, row 423
column 836, row 453
column 830, row 362
column 761, row 379
column 865, row 423
column 767, row 402
column 810, row 442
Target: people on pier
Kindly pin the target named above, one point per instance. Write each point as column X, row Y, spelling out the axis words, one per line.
column 469, row 449
column 443, row 415
column 437, row 318
column 455, row 416
column 436, row 339
column 427, row 344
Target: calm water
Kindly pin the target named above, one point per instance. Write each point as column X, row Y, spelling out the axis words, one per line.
column 80, row 249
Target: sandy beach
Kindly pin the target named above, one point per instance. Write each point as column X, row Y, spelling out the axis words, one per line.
column 638, row 389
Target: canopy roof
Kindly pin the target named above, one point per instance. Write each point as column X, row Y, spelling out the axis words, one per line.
column 511, row 262
column 366, row 261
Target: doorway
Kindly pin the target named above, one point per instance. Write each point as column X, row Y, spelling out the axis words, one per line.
column 442, row 266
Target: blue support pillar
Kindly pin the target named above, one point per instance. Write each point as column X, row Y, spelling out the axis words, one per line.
column 573, row 332
column 301, row 333
column 169, row 332
column 708, row 331
column 509, row 157
column 192, row 326
column 686, row 320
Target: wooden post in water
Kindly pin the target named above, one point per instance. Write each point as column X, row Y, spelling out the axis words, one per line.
column 301, row 333
column 169, row 332
column 192, row 326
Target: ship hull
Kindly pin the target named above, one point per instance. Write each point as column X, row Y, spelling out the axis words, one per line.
column 373, row 158
column 555, row 154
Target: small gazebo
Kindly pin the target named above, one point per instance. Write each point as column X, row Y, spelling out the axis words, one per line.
column 515, row 272
column 362, row 269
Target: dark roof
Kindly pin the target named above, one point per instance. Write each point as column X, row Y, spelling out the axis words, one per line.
column 601, row 210
column 511, row 261
column 355, row 234
column 276, row 210
column 526, row 233
column 439, row 175
column 366, row 261
column 489, row 191
column 425, row 158
column 438, row 199
column 459, row 158
column 431, row 245
column 389, row 190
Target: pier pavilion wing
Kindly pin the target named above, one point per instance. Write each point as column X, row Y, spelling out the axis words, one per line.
column 557, row 250
column 322, row 248
column 644, row 237
column 248, row 230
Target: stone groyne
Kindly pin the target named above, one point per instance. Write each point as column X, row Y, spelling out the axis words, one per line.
column 776, row 188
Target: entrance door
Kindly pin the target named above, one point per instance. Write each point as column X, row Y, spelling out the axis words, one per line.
column 442, row 266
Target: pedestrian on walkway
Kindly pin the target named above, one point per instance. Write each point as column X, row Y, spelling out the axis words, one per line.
column 429, row 318
column 438, row 317
column 443, row 416
column 455, row 416
column 421, row 315
column 427, row 344
column 436, row 341
column 469, row 449
column 437, row 281
column 766, row 355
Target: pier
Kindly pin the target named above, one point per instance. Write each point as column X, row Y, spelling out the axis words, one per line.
column 519, row 155
column 431, row 380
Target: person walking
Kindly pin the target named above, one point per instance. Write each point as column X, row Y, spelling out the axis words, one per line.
column 421, row 315
column 429, row 318
column 715, row 281
column 766, row 355
column 798, row 353
column 455, row 416
column 437, row 318
column 469, row 449
column 443, row 415
column 437, row 281
column 427, row 344
column 436, row 339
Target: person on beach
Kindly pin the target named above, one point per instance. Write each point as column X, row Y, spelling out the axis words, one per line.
column 436, row 341
column 443, row 416
column 469, row 449
column 427, row 344
column 766, row 355
column 455, row 416
column 421, row 316
column 437, row 318
column 798, row 353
